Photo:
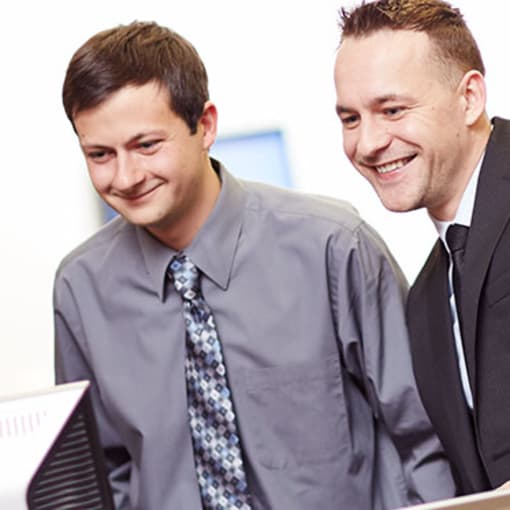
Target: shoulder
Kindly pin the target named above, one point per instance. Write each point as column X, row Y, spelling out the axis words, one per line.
column 322, row 225
column 499, row 140
column 430, row 273
column 103, row 246
column 501, row 125
column 314, row 220
column 292, row 206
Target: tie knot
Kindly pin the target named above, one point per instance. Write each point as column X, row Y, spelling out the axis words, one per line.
column 456, row 237
column 185, row 276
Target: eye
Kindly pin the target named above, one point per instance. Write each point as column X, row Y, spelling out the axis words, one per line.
column 394, row 111
column 149, row 146
column 349, row 121
column 98, row 155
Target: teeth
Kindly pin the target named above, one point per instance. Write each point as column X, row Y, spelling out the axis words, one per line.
column 389, row 167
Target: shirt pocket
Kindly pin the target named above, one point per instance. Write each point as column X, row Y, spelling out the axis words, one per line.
column 297, row 413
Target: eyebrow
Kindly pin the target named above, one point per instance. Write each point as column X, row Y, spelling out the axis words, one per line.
column 132, row 140
column 342, row 109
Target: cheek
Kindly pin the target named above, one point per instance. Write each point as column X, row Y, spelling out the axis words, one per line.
column 349, row 144
column 163, row 164
column 101, row 177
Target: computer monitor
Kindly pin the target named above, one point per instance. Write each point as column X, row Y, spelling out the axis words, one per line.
column 50, row 454
column 487, row 500
column 255, row 156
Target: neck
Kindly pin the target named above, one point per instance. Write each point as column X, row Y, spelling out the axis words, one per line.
column 474, row 147
column 180, row 231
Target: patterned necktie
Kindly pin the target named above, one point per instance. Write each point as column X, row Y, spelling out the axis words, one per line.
column 456, row 237
column 216, row 443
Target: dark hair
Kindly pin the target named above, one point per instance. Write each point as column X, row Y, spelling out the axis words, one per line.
column 443, row 23
column 136, row 54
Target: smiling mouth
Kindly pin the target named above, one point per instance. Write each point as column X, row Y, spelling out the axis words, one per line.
column 137, row 196
column 393, row 165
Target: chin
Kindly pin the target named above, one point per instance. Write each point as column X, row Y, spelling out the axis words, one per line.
column 397, row 205
column 140, row 220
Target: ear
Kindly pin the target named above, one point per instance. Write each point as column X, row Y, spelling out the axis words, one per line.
column 208, row 123
column 474, row 96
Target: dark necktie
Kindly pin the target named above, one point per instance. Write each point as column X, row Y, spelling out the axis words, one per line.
column 216, row 444
column 456, row 237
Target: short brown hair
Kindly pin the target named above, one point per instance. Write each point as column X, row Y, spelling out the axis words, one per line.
column 443, row 23
column 136, row 54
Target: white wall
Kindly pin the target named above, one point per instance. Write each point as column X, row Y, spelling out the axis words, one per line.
column 270, row 65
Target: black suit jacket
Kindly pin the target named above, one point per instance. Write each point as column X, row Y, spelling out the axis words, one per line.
column 478, row 443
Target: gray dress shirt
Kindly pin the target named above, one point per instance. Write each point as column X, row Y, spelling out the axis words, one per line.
column 309, row 306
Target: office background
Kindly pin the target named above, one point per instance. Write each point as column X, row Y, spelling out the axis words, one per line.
column 270, row 66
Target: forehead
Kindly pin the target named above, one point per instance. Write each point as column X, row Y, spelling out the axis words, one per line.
column 386, row 58
column 130, row 108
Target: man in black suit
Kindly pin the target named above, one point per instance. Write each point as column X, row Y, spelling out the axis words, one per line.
column 411, row 98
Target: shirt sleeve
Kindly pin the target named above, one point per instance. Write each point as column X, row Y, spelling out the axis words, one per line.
column 71, row 365
column 368, row 293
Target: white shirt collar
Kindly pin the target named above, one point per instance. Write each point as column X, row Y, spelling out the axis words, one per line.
column 466, row 206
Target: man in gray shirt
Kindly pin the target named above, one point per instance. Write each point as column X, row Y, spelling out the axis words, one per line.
column 300, row 298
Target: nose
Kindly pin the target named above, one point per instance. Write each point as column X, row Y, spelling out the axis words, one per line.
column 128, row 174
column 373, row 137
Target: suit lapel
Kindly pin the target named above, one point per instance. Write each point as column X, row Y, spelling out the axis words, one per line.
column 491, row 213
column 436, row 368
column 432, row 340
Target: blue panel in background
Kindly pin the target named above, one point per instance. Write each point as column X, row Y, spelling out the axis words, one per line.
column 258, row 156
column 108, row 212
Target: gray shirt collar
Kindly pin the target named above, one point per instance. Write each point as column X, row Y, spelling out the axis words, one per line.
column 214, row 246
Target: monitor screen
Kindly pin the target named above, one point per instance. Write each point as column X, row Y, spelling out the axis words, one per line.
column 50, row 454
column 257, row 156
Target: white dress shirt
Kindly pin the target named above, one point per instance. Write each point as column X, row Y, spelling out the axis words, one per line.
column 463, row 217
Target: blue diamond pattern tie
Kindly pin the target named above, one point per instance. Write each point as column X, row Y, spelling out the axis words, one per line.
column 216, row 443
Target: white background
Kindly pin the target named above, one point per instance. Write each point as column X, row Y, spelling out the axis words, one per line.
column 270, row 65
